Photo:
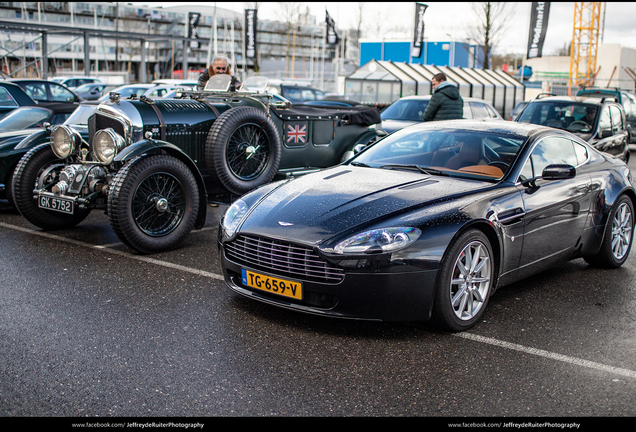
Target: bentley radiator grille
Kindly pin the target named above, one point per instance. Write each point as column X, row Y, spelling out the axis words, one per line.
column 282, row 258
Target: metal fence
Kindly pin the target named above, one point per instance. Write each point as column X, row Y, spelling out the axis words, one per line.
column 561, row 88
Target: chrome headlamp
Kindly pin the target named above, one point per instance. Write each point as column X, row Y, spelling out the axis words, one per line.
column 106, row 145
column 378, row 240
column 234, row 216
column 64, row 141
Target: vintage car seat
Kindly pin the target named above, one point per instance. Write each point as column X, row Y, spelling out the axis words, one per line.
column 470, row 153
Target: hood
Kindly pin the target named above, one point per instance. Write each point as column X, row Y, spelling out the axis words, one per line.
column 448, row 89
column 318, row 206
column 12, row 138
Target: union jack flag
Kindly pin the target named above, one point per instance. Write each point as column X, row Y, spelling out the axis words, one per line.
column 296, row 133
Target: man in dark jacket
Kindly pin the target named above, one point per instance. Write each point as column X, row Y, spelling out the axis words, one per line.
column 446, row 103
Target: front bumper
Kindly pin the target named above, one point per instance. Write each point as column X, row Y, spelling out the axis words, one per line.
column 383, row 296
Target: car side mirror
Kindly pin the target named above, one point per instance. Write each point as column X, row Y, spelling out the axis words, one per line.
column 605, row 133
column 558, row 172
column 358, row 148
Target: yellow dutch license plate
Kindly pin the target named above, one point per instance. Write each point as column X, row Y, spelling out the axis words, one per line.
column 273, row 285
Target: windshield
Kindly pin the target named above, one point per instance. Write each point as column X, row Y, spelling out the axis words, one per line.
column 24, row 118
column 80, row 115
column 571, row 116
column 477, row 154
column 406, row 109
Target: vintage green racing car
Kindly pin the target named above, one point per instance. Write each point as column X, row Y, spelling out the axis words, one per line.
column 153, row 164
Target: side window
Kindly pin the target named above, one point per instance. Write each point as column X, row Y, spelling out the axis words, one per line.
column 551, row 150
column 491, row 111
column 479, row 110
column 617, row 119
column 37, row 91
column 6, row 100
column 581, row 152
column 60, row 94
column 320, row 95
column 467, row 112
column 307, row 94
column 605, row 123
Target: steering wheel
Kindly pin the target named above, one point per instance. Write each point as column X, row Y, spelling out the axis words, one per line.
column 578, row 123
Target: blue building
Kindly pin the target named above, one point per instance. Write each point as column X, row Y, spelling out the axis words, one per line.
column 453, row 53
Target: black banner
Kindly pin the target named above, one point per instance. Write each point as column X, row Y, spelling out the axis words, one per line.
column 538, row 27
column 332, row 35
column 418, row 34
column 250, row 33
column 193, row 19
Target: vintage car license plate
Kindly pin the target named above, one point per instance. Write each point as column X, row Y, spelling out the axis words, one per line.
column 270, row 284
column 62, row 205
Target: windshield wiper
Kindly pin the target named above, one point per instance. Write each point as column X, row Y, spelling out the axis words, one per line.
column 424, row 170
column 360, row 164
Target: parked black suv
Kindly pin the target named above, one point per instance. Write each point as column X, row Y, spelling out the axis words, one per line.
column 600, row 122
column 625, row 98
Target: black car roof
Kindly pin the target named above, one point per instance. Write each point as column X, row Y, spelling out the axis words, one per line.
column 18, row 93
column 495, row 126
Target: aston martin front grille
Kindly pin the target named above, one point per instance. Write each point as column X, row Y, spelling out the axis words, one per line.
column 283, row 259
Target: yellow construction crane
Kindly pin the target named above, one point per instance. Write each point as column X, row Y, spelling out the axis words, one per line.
column 585, row 34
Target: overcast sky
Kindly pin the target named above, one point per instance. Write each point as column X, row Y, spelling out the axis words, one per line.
column 449, row 20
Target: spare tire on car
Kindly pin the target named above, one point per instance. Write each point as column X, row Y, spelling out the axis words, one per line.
column 243, row 149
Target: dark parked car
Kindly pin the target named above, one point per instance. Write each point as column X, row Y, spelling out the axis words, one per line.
column 152, row 164
column 409, row 110
column 15, row 144
column 600, row 122
column 429, row 221
column 12, row 96
column 625, row 98
column 46, row 91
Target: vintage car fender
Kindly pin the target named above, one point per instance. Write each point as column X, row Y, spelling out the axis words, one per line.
column 152, row 146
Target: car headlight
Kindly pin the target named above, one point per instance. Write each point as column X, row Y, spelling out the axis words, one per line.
column 106, row 144
column 378, row 240
column 234, row 216
column 64, row 141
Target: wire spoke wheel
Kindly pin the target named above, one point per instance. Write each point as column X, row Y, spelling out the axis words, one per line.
column 247, row 152
column 158, row 204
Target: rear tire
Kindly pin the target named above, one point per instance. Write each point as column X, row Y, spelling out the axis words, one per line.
column 153, row 203
column 619, row 234
column 26, row 178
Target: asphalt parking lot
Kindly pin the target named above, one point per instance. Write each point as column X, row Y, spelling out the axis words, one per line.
column 90, row 328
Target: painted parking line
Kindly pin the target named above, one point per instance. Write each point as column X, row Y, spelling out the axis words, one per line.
column 469, row 336
column 549, row 355
column 106, row 248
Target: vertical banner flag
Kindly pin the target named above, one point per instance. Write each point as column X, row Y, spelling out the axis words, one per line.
column 332, row 35
column 418, row 36
column 193, row 19
column 538, row 26
column 250, row 33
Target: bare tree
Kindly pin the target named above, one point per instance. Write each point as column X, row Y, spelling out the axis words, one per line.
column 492, row 20
column 288, row 14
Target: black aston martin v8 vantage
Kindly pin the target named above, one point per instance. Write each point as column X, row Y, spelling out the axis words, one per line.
column 426, row 223
column 152, row 165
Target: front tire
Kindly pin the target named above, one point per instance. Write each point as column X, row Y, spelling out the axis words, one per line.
column 27, row 177
column 619, row 233
column 464, row 282
column 153, row 203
